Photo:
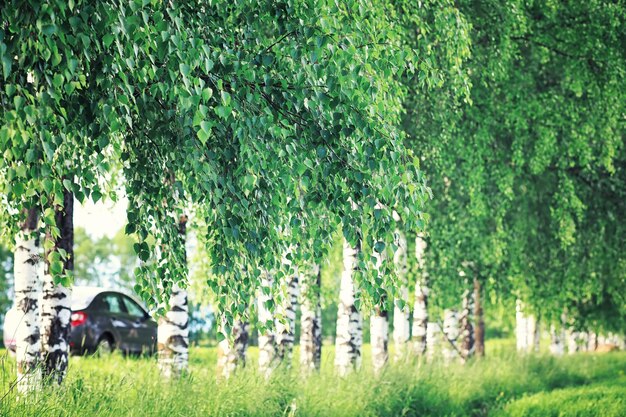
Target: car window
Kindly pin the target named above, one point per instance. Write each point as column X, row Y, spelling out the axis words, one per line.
column 132, row 308
column 111, row 303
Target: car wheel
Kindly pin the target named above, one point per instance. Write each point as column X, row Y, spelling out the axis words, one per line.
column 104, row 347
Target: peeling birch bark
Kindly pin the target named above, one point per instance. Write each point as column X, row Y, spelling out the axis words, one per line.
column 311, row 324
column 27, row 288
column 401, row 316
column 173, row 329
column 349, row 338
column 56, row 302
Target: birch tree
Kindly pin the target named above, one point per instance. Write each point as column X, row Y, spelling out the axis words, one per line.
column 467, row 342
column 232, row 350
column 349, row 339
column 267, row 343
column 27, row 290
column 285, row 323
column 379, row 328
column 401, row 311
column 253, row 131
column 311, row 321
column 173, row 329
column 479, row 330
column 56, row 301
column 420, row 307
column 450, row 330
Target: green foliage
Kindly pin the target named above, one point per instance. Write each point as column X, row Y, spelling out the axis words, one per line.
column 271, row 119
column 528, row 175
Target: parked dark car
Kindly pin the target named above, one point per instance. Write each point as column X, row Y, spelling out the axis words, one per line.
column 102, row 320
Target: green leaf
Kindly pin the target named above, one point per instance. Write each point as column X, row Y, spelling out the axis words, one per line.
column 379, row 246
column 57, row 80
column 6, row 65
column 107, row 40
column 48, row 30
column 207, row 93
column 223, row 111
column 226, row 99
column 56, row 267
column 184, row 69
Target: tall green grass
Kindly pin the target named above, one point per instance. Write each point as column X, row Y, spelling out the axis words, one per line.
column 501, row 384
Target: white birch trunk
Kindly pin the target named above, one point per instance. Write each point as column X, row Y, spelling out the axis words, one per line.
column 534, row 332
column 56, row 301
column 557, row 341
column 433, row 336
column 27, row 289
column 572, row 341
column 173, row 335
column 593, row 342
column 467, row 329
column 55, row 328
column 379, row 328
column 231, row 352
column 267, row 345
column 527, row 330
column 285, row 328
column 379, row 339
column 349, row 338
column 173, row 329
column 311, row 324
column 521, row 327
column 401, row 316
column 450, row 335
column 420, row 307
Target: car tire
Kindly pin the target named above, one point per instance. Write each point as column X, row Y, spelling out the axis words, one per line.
column 105, row 346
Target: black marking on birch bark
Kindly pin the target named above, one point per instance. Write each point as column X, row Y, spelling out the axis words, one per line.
column 31, row 221
column 33, row 260
column 177, row 340
column 27, row 304
column 33, row 338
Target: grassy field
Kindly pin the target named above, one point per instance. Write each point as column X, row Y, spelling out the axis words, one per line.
column 503, row 384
